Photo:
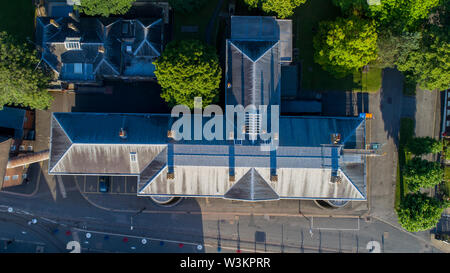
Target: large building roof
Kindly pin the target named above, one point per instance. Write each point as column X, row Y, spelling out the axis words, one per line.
column 89, row 143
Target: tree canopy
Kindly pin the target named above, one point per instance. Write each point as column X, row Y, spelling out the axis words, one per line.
column 188, row 69
column 419, row 173
column 392, row 47
column 187, row 6
column 429, row 64
column 345, row 45
column 419, row 212
column 401, row 15
column 104, row 7
column 424, row 145
column 22, row 81
column 282, row 8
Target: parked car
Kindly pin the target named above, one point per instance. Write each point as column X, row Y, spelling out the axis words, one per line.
column 104, row 183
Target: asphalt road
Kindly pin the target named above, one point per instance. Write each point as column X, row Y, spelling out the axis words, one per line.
column 62, row 219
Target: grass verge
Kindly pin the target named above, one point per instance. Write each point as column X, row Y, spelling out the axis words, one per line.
column 369, row 82
column 199, row 18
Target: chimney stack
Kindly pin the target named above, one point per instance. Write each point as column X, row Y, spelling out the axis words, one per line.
column 74, row 17
column 72, row 27
column 54, row 23
column 122, row 133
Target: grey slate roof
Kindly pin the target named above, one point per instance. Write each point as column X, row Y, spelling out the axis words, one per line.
column 113, row 34
column 251, row 187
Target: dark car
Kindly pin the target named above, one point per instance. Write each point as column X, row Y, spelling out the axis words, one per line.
column 103, row 185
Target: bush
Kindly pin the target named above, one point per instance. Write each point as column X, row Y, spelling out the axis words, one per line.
column 420, row 173
column 424, row 145
column 419, row 212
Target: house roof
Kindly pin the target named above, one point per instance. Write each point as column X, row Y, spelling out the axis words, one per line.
column 103, row 48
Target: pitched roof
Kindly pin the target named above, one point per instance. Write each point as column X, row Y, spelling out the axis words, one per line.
column 145, row 36
column 251, row 187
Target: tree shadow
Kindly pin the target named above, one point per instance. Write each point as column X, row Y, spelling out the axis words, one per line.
column 393, row 104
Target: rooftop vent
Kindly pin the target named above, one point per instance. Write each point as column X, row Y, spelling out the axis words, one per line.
column 122, row 133
column 253, row 124
column 54, row 23
column 170, row 175
column 129, row 49
column 335, row 138
column 72, row 27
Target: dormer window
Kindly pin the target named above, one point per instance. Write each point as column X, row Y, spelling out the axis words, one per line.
column 133, row 157
column 72, row 43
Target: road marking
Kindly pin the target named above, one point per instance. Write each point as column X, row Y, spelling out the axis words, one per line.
column 62, row 189
column 136, row 237
column 373, row 247
column 74, row 246
column 335, row 228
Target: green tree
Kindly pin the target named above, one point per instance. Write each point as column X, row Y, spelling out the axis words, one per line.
column 345, row 45
column 104, row 7
column 350, row 7
column 424, row 145
column 188, row 69
column 283, row 8
column 429, row 65
column 418, row 212
column 187, row 6
column 391, row 47
column 419, row 173
column 22, row 81
column 402, row 15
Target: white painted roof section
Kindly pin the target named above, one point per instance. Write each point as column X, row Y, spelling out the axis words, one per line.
column 106, row 159
column 301, row 183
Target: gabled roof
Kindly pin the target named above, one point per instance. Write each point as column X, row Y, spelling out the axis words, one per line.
column 253, row 70
column 251, row 187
